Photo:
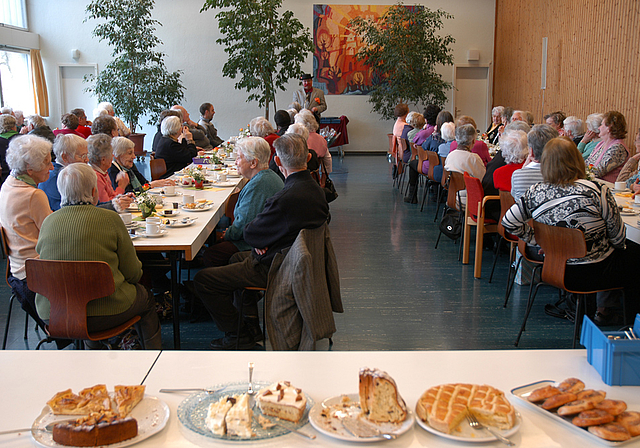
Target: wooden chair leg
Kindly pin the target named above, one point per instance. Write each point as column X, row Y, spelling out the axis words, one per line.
column 510, row 280
column 466, row 241
column 477, row 265
column 6, row 326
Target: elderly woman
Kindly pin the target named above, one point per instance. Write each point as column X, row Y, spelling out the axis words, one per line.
column 84, row 125
column 69, row 125
column 630, row 172
column 123, row 130
column 479, row 147
column 260, row 127
column 496, row 122
column 574, row 128
column 417, row 121
column 283, row 121
column 8, row 131
column 592, row 136
column 35, row 125
column 176, row 146
column 313, row 165
column 253, row 165
column 611, row 153
column 158, row 135
column 123, row 157
column 81, row 231
column 100, row 157
column 315, row 141
column 104, row 124
column 514, row 148
column 566, row 199
column 430, row 116
column 462, row 159
column 23, row 208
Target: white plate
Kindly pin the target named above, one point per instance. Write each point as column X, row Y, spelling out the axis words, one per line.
column 174, row 212
column 152, row 235
column 199, row 209
column 624, row 190
column 465, row 433
column 132, row 208
column 332, row 426
column 225, row 184
column 523, row 392
column 628, row 212
column 180, row 223
column 133, row 237
column 151, row 413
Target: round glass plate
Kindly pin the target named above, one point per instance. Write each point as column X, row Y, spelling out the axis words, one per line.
column 465, row 433
column 198, row 209
column 192, row 413
column 225, row 184
column 151, row 413
column 329, row 423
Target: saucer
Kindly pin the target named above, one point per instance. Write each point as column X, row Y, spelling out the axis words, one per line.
column 152, row 235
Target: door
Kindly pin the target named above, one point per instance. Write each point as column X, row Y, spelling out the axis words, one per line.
column 471, row 94
column 71, row 88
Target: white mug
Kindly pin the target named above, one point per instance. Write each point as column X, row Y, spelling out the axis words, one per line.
column 620, row 186
column 126, row 218
column 187, row 199
column 153, row 225
column 170, row 189
column 221, row 177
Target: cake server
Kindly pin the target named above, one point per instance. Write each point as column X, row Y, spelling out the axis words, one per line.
column 287, row 427
column 360, row 429
column 194, row 389
column 47, row 428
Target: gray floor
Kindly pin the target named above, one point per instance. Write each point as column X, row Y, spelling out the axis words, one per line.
column 399, row 292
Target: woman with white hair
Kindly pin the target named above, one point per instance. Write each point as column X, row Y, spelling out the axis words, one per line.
column 100, row 156
column 123, row 130
column 591, row 138
column 496, row 122
column 260, row 127
column 123, row 157
column 176, row 146
column 81, row 231
column 23, row 208
column 574, row 128
column 253, row 165
column 462, row 159
column 515, row 149
column 35, row 125
column 315, row 141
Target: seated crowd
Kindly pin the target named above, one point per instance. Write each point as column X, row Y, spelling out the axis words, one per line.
column 554, row 171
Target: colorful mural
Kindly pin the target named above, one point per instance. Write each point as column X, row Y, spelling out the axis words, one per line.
column 336, row 69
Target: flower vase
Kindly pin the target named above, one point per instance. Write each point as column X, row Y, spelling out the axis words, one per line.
column 146, row 210
column 199, row 184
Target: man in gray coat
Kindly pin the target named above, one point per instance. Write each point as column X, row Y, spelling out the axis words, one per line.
column 310, row 97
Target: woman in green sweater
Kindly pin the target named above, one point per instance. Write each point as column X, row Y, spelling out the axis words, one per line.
column 82, row 231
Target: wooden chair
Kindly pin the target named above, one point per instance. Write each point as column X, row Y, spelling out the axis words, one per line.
column 444, row 182
column 158, row 168
column 434, row 160
column 475, row 217
column 401, row 147
column 5, row 249
column 559, row 245
column 506, row 201
column 70, row 286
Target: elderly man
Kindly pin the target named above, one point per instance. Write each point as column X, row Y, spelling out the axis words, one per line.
column 310, row 97
column 253, row 164
column 206, row 115
column 198, row 132
column 301, row 204
column 530, row 173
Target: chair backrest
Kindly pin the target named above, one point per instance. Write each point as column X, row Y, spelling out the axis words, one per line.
column 414, row 150
column 231, row 205
column 434, row 160
column 475, row 193
column 69, row 286
column 422, row 156
column 506, row 201
column 559, row 244
column 392, row 144
column 5, row 250
column 158, row 167
column 456, row 183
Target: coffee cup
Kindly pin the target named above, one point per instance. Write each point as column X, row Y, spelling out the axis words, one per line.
column 637, row 199
column 153, row 225
column 170, row 189
column 221, row 177
column 188, row 199
column 620, row 186
column 126, row 218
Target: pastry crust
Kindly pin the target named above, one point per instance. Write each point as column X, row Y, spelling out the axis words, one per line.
column 611, row 431
column 91, row 399
column 573, row 385
column 613, row 407
column 595, row 396
column 575, row 407
column 592, row 418
column 542, row 393
column 631, row 421
column 96, row 429
column 559, row 400
column 380, row 400
column 127, row 398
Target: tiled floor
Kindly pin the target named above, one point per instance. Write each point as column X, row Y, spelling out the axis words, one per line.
column 399, row 293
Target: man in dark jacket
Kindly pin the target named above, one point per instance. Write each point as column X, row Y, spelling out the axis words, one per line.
column 301, row 204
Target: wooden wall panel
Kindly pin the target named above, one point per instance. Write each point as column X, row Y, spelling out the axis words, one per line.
column 593, row 57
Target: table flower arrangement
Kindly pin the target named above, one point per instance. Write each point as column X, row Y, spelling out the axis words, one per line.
column 244, row 132
column 146, row 203
column 589, row 172
column 198, row 176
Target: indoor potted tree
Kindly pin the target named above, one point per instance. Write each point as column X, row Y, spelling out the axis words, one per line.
column 136, row 81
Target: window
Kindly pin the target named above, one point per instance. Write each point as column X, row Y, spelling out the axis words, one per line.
column 15, row 81
column 13, row 13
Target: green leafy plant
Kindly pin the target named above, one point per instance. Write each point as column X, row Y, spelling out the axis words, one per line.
column 403, row 50
column 136, row 81
column 266, row 47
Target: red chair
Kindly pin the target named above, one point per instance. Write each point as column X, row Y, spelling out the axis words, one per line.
column 475, row 217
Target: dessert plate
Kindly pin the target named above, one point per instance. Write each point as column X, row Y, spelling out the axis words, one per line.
column 184, row 222
column 198, row 209
column 151, row 413
column 166, row 215
column 192, row 413
column 225, row 184
column 326, row 418
column 152, row 235
column 628, row 212
column 465, row 433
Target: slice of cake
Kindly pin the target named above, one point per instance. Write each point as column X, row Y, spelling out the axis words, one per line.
column 216, row 415
column 282, row 400
column 96, row 429
column 127, row 398
column 379, row 397
column 238, row 418
column 91, row 399
column 491, row 408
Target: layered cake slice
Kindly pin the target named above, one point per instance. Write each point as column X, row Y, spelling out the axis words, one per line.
column 238, row 418
column 216, row 415
column 282, row 400
column 379, row 398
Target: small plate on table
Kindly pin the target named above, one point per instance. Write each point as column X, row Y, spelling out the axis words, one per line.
column 132, row 208
column 184, row 222
column 225, row 184
column 326, row 418
column 152, row 235
column 199, row 207
column 628, row 212
column 168, row 212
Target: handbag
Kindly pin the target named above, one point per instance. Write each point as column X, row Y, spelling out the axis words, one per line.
column 327, row 185
column 451, row 224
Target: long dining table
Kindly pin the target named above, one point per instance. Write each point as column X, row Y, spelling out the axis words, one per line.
column 31, row 378
column 187, row 241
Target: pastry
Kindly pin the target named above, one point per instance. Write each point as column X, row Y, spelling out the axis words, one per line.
column 573, row 385
column 445, row 406
column 542, row 393
column 631, row 421
column 379, row 398
column 559, row 400
column 282, row 400
column 610, row 431
column 613, row 407
column 575, row 407
column 595, row 396
column 592, row 418
column 216, row 415
column 127, row 397
column 238, row 418
column 91, row 399
column 96, row 429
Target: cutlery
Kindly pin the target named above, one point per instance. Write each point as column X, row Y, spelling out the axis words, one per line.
column 250, row 391
column 287, row 427
column 47, row 428
column 475, row 424
column 195, row 389
column 360, row 429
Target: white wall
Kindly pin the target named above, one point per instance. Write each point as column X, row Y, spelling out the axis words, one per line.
column 189, row 43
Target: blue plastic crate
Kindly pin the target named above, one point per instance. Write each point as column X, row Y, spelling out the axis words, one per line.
column 617, row 361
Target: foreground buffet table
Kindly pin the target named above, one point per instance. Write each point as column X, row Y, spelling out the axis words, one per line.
column 30, row 378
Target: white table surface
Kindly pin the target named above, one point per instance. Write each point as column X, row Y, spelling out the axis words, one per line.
column 631, row 222
column 30, row 378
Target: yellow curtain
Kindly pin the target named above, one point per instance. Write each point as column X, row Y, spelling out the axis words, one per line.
column 40, row 95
